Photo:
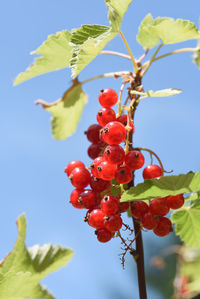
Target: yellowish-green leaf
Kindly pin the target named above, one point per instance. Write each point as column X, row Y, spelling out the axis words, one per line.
column 116, row 11
column 56, row 54
column 22, row 270
column 66, row 111
column 159, row 93
column 166, row 30
column 196, row 55
column 187, row 224
column 164, row 186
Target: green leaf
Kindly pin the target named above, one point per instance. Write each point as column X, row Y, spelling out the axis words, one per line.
column 166, row 30
column 22, row 270
column 89, row 40
column 159, row 93
column 187, row 224
column 116, row 11
column 164, row 186
column 56, row 54
column 66, row 111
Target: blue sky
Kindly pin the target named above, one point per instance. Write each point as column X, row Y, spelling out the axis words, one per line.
column 32, row 162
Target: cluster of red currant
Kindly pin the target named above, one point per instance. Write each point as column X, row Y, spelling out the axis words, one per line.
column 112, row 166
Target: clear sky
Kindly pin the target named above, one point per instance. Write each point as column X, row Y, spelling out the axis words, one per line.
column 32, row 162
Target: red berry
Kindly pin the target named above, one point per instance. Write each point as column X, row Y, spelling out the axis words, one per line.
column 123, row 119
column 88, row 199
column 163, row 228
column 110, row 205
column 80, row 177
column 113, row 223
column 96, row 218
column 74, row 199
column 124, row 206
column 105, row 115
column 150, row 221
column 93, row 133
column 114, row 154
column 106, row 171
column 108, row 98
column 175, row 202
column 72, row 165
column 99, row 185
column 94, row 166
column 152, row 172
column 159, row 206
column 138, row 209
column 114, row 133
column 95, row 150
column 123, row 175
column 134, row 160
column 103, row 235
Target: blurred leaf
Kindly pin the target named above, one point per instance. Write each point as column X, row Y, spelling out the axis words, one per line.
column 196, row 56
column 166, row 30
column 187, row 224
column 164, row 186
column 22, row 270
column 66, row 111
column 56, row 54
column 159, row 93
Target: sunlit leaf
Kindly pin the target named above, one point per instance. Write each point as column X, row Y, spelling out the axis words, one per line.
column 66, row 111
column 22, row 270
column 56, row 53
column 166, row 30
column 164, row 186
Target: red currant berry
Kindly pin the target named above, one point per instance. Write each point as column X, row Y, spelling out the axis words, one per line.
column 103, row 235
column 74, row 199
column 163, row 228
column 106, row 171
column 93, row 133
column 134, row 160
column 96, row 218
column 110, row 205
column 108, row 98
column 152, row 172
column 124, row 206
column 94, row 166
column 95, row 150
column 113, row 223
column 138, row 209
column 150, row 221
column 123, row 175
column 159, row 206
column 114, row 133
column 99, row 185
column 72, row 165
column 114, row 154
column 175, row 202
column 105, row 115
column 80, row 177
column 88, row 199
column 123, row 120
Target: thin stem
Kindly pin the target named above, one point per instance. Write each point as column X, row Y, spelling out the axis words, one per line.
column 130, row 52
column 152, row 59
column 119, row 100
column 106, row 52
column 106, row 75
column 151, row 153
column 183, row 50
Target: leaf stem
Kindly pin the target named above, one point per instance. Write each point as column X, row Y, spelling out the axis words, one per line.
column 130, row 52
column 152, row 59
column 183, row 50
column 106, row 52
column 119, row 100
column 106, row 75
